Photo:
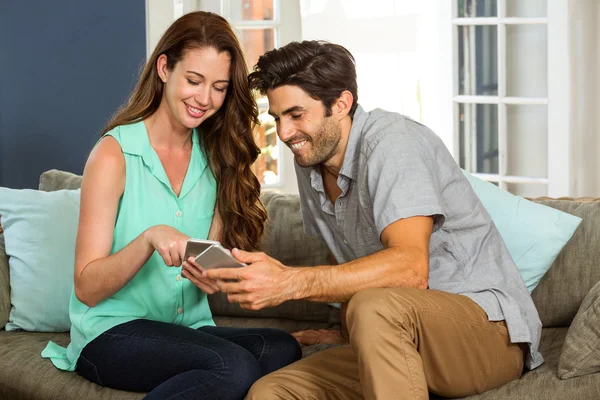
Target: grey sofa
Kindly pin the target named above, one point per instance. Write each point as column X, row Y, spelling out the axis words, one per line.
column 25, row 375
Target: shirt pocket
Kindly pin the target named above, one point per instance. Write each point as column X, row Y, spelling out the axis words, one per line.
column 367, row 240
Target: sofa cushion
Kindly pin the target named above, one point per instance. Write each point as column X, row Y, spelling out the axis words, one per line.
column 543, row 382
column 25, row 375
column 533, row 233
column 4, row 285
column 39, row 232
column 576, row 269
column 581, row 351
column 57, row 180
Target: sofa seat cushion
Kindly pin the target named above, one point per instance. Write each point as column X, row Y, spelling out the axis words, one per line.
column 543, row 382
column 25, row 375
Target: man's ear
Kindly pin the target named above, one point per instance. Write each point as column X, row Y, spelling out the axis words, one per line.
column 342, row 106
column 161, row 68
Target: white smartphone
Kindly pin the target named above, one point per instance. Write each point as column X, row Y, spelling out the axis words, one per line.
column 197, row 246
column 210, row 254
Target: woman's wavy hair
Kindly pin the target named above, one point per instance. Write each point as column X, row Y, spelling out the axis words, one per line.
column 226, row 138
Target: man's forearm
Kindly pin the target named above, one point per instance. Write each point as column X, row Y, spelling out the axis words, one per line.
column 391, row 267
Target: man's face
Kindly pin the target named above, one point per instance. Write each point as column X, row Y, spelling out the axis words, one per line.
column 303, row 126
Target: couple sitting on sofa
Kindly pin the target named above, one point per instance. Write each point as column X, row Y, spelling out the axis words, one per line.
column 424, row 279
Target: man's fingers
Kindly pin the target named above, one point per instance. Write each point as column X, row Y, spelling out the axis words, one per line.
column 247, row 257
column 224, row 273
column 231, row 287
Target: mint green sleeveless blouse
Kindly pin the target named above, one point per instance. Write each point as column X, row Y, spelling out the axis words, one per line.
column 157, row 292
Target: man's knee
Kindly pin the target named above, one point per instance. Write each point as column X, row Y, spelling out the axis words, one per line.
column 375, row 309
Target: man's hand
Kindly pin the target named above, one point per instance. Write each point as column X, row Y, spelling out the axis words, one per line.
column 321, row 336
column 265, row 282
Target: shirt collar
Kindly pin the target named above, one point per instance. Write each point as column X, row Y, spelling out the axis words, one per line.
column 351, row 156
column 135, row 140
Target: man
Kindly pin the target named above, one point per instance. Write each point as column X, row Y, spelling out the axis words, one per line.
column 434, row 301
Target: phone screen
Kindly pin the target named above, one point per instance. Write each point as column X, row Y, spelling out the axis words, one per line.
column 195, row 247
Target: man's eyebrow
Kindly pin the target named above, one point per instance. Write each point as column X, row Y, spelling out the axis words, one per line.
column 202, row 76
column 288, row 111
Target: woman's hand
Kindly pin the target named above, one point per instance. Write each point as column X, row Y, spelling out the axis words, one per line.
column 194, row 273
column 168, row 242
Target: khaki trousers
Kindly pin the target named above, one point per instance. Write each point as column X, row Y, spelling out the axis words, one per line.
column 403, row 344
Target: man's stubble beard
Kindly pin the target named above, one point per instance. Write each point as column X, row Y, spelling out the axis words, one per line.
column 324, row 145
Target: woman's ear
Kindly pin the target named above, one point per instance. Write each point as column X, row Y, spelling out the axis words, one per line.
column 161, row 67
column 343, row 104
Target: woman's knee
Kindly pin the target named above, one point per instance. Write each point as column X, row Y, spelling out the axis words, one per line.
column 280, row 349
column 241, row 369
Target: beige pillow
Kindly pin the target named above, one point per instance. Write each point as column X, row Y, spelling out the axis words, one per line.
column 581, row 350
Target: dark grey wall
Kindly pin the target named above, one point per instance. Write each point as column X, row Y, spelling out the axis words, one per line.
column 65, row 67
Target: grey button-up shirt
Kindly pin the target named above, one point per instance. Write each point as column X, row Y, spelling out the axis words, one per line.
column 396, row 168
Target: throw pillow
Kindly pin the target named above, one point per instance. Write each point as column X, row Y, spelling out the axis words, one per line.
column 533, row 233
column 581, row 351
column 39, row 232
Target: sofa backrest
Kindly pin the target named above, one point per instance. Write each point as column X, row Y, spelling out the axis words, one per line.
column 557, row 297
column 576, row 269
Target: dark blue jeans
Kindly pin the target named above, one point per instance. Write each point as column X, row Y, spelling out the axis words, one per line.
column 175, row 362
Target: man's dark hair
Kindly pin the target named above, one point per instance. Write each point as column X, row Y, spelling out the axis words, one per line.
column 322, row 69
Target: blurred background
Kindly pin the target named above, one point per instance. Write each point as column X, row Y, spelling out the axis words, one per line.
column 511, row 86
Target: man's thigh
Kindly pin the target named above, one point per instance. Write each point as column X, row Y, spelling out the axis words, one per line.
column 461, row 351
column 328, row 375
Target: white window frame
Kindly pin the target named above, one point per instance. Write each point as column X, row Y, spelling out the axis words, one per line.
column 559, row 169
column 161, row 13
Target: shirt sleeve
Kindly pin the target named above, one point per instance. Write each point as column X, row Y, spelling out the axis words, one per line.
column 402, row 181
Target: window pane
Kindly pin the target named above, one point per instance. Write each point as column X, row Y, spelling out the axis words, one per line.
column 477, row 8
column 527, row 8
column 251, row 10
column 255, row 43
column 530, row 190
column 266, row 166
column 478, row 60
column 526, row 61
column 527, row 141
column 478, row 137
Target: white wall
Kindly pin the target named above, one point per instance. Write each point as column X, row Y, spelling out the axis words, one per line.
column 585, row 96
column 403, row 53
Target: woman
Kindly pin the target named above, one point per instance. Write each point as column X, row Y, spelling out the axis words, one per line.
column 173, row 163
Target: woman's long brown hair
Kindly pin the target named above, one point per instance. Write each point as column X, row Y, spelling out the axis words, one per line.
column 227, row 137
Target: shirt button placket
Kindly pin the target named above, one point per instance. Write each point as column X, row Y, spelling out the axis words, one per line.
column 178, row 226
